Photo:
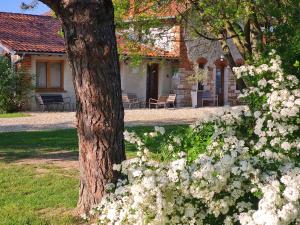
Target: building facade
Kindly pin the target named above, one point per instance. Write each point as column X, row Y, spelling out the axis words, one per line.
column 33, row 42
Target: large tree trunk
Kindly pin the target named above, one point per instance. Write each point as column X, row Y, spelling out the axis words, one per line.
column 89, row 33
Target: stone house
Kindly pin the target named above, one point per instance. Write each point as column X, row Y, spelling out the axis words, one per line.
column 193, row 53
column 34, row 43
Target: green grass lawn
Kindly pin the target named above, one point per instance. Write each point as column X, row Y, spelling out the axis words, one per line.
column 13, row 115
column 38, row 194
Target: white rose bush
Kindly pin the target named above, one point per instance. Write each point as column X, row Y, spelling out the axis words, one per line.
column 248, row 175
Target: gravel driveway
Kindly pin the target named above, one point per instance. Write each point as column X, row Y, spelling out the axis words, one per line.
column 62, row 120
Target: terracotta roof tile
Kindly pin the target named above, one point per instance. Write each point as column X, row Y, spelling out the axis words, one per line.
column 30, row 33
column 39, row 33
column 172, row 9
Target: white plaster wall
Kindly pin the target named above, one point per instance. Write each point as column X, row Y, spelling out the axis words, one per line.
column 68, row 82
column 164, row 78
column 134, row 79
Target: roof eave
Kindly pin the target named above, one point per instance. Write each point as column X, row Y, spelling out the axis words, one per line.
column 7, row 49
column 155, row 57
column 40, row 53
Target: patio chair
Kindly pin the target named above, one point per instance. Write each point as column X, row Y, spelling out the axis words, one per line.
column 171, row 100
column 161, row 101
column 208, row 97
column 128, row 102
column 140, row 102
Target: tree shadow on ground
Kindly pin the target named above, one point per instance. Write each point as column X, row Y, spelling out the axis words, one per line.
column 19, row 145
column 62, row 144
column 10, row 157
column 21, row 127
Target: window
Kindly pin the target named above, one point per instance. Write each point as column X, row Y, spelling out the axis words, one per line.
column 201, row 66
column 219, row 73
column 49, row 75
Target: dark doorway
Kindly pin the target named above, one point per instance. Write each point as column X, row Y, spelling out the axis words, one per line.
column 220, row 85
column 152, row 81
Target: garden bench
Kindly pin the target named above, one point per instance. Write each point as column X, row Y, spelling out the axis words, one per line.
column 46, row 101
column 208, row 97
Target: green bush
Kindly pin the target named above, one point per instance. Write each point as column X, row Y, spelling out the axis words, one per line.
column 166, row 142
column 14, row 87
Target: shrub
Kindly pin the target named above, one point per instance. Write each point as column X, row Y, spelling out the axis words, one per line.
column 249, row 174
column 14, row 87
column 164, row 144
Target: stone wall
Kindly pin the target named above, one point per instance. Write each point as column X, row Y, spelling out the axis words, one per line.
column 191, row 50
column 183, row 89
column 185, row 69
column 25, row 65
column 232, row 92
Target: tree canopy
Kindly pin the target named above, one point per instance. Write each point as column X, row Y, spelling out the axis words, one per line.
column 254, row 26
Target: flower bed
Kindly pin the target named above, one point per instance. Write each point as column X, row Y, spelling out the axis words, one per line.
column 249, row 173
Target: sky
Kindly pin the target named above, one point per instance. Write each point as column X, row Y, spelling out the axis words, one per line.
column 14, row 6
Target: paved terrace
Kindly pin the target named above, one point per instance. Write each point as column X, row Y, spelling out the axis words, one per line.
column 133, row 117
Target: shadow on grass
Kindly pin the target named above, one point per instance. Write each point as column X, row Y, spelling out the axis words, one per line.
column 62, row 144
column 23, row 127
column 20, row 145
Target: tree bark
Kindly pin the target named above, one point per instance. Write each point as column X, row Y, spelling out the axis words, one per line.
column 89, row 34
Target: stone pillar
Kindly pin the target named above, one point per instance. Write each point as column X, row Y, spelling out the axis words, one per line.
column 232, row 92
column 226, row 84
column 211, row 81
column 183, row 89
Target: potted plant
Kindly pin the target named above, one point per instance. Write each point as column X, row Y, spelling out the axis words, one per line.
column 197, row 79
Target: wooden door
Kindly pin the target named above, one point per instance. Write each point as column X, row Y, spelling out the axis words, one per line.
column 220, row 85
column 152, row 81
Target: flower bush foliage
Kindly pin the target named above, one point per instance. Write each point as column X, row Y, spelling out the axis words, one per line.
column 248, row 175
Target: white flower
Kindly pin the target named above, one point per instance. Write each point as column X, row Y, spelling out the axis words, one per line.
column 257, row 114
column 262, row 82
column 153, row 134
column 265, row 218
column 84, row 216
column 291, row 194
column 137, row 173
column 289, row 213
column 149, row 182
column 117, row 167
column 286, row 146
column 160, row 130
column 170, row 148
column 189, row 211
column 181, row 154
column 178, row 164
column 177, row 140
